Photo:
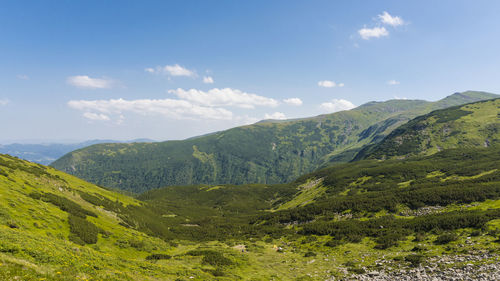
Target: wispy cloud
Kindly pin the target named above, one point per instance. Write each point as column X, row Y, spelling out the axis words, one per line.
column 208, row 80
column 392, row 82
column 177, row 109
column 191, row 104
column 379, row 30
column 329, row 84
column 376, row 32
column 171, row 70
column 23, row 77
column 275, row 116
column 4, row 102
column 386, row 18
column 224, row 97
column 293, row 101
column 96, row 116
column 84, row 81
column 400, row 98
column 337, row 105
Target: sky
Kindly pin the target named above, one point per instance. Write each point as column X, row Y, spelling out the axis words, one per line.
column 163, row 70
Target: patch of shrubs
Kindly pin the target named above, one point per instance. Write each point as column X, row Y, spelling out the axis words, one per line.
column 309, row 254
column 445, row 238
column 211, row 257
column 475, row 233
column 63, row 203
column 414, row 260
column 82, row 231
column 98, row 200
column 388, row 240
column 333, row 243
column 388, row 230
column 155, row 257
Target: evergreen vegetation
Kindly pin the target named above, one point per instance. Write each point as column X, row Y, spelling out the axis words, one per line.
column 337, row 221
column 266, row 152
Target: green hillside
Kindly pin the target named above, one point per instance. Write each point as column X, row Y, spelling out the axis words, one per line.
column 351, row 220
column 266, row 152
column 471, row 125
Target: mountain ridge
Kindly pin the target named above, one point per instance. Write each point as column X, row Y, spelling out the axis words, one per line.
column 387, row 218
column 470, row 125
column 266, row 152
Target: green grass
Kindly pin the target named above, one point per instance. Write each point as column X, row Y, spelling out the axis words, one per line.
column 337, row 221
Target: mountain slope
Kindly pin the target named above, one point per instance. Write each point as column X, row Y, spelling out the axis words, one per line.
column 266, row 152
column 54, row 226
column 471, row 125
column 387, row 218
column 48, row 231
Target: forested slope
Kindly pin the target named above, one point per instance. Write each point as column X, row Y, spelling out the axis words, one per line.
column 471, row 125
column 266, row 152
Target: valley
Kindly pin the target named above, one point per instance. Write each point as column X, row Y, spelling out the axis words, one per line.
column 399, row 210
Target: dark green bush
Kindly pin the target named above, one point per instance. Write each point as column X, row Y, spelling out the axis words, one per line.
column 155, row 257
column 82, row 231
column 63, row 203
column 414, row 260
column 211, row 257
column 333, row 243
column 309, row 254
column 445, row 238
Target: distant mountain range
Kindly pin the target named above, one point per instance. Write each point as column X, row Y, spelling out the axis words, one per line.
column 266, row 152
column 49, row 152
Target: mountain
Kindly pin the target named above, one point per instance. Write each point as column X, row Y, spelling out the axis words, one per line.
column 54, row 226
column 471, row 125
column 49, row 152
column 437, row 216
column 49, row 232
column 266, row 152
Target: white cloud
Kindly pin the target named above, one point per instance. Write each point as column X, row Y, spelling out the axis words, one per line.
column 96, row 116
column 83, row 81
column 386, row 18
column 171, row 70
column 224, row 97
column 177, row 109
column 400, row 98
column 293, row 101
column 392, row 82
column 275, row 116
column 23, row 77
column 4, row 102
column 329, row 84
column 208, row 80
column 376, row 32
column 337, row 105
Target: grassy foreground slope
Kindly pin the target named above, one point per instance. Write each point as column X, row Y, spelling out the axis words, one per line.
column 54, row 226
column 266, row 152
column 47, row 231
column 471, row 125
column 344, row 221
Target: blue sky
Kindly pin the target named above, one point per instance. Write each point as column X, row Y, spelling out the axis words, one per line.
column 76, row 70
